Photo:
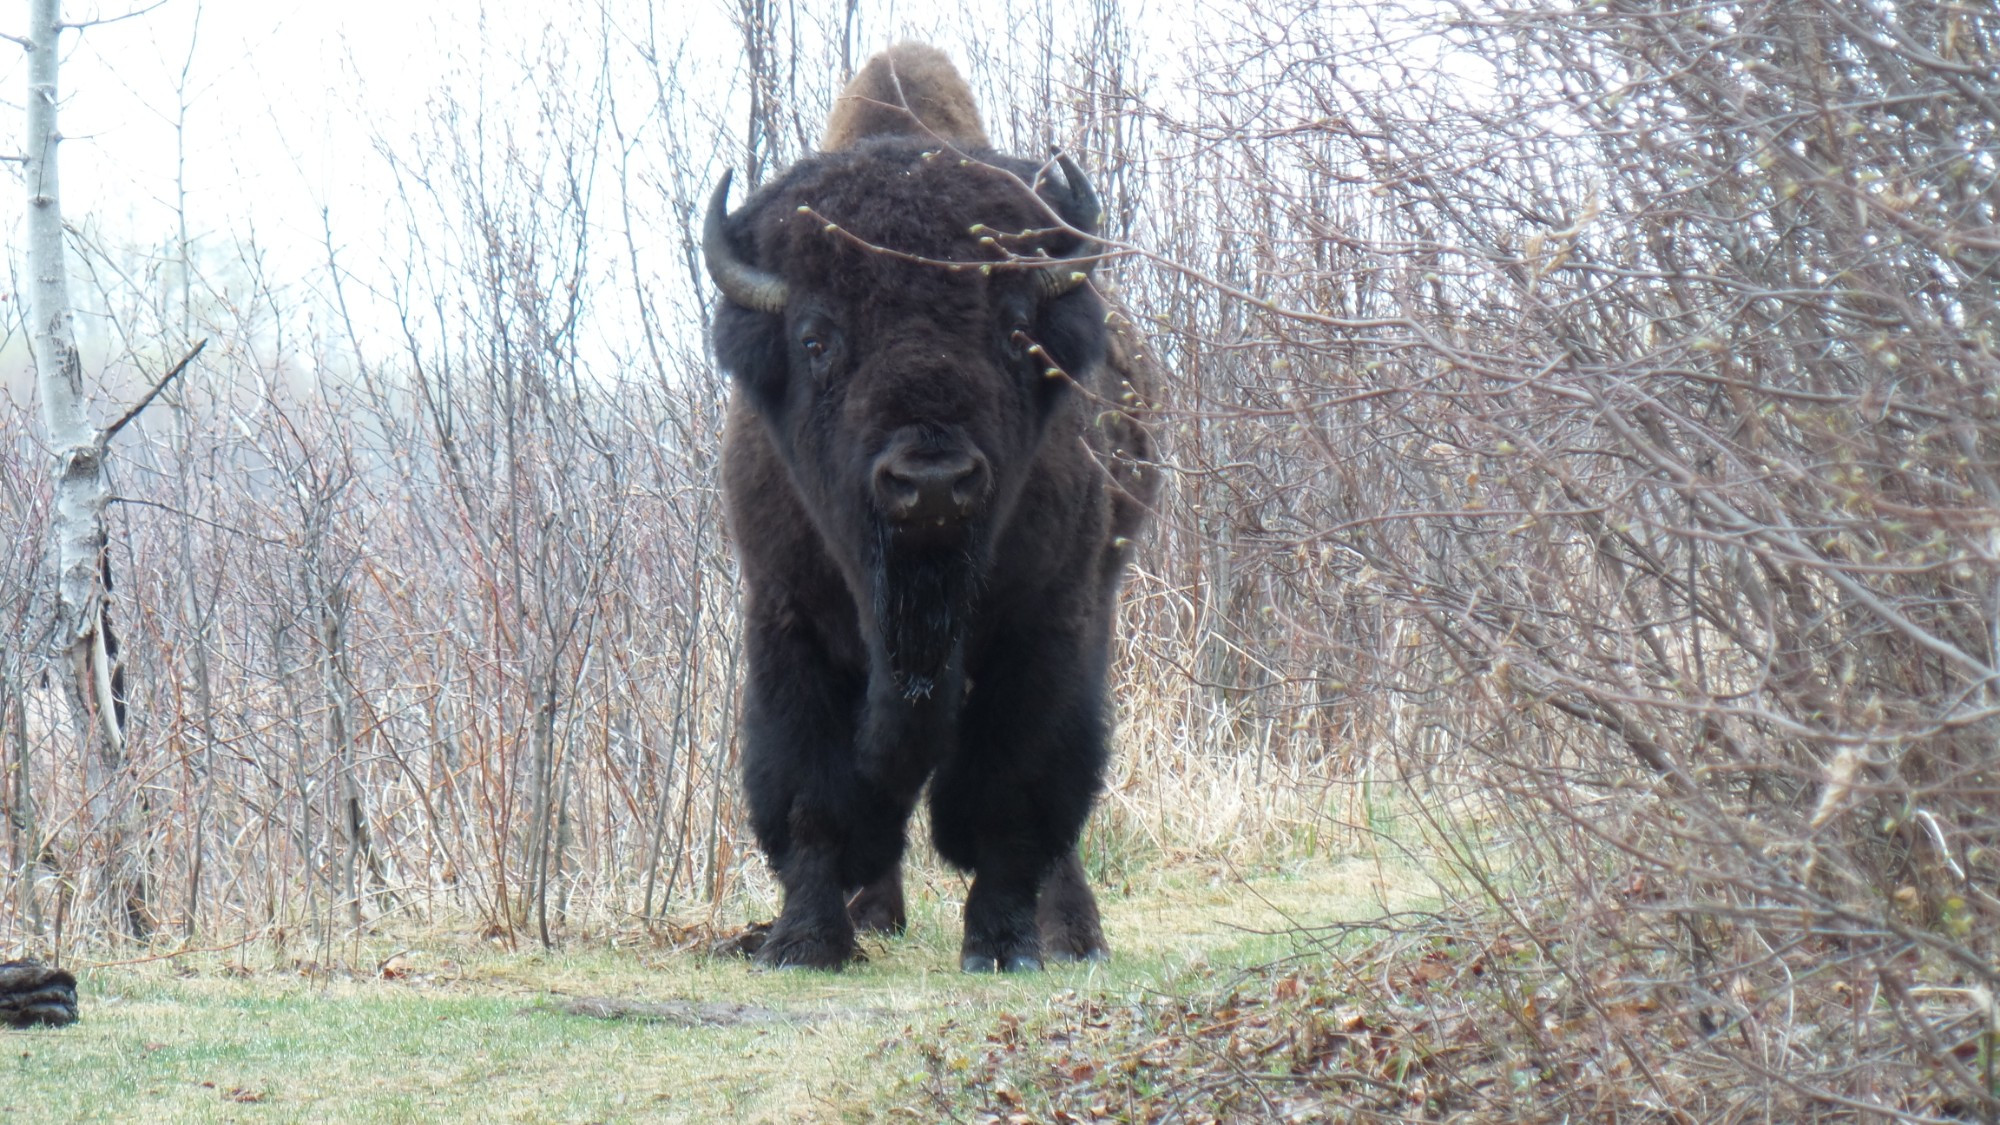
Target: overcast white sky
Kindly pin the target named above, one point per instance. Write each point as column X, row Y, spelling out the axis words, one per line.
column 283, row 100
column 275, row 93
column 282, row 97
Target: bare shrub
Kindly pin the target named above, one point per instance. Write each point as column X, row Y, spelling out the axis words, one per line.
column 1590, row 410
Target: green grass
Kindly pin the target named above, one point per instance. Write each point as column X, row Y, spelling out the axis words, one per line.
column 467, row 1032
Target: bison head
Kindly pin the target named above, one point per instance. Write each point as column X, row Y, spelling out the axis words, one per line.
column 905, row 320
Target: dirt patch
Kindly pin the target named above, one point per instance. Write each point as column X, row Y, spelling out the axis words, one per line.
column 680, row 1013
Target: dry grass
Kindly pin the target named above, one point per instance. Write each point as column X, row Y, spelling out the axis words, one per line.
column 1420, row 1018
column 444, row 1027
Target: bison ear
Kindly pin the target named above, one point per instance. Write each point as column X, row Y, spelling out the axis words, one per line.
column 750, row 346
column 1080, row 210
column 1072, row 330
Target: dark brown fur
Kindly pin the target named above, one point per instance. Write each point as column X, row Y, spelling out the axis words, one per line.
column 31, row 993
column 882, row 655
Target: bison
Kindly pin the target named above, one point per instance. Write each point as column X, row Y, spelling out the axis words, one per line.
column 933, row 474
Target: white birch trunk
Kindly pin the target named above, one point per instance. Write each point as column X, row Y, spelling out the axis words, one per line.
column 82, row 488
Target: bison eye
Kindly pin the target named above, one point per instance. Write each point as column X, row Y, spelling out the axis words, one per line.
column 819, row 346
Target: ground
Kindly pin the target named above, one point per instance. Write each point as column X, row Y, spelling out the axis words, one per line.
column 447, row 1028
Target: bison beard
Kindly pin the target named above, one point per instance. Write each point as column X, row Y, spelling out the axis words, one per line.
column 923, row 597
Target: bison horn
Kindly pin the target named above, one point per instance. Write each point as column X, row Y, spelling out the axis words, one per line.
column 739, row 281
column 1081, row 211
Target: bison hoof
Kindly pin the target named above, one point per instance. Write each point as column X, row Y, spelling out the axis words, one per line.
column 982, row 963
column 806, row 951
column 1097, row 956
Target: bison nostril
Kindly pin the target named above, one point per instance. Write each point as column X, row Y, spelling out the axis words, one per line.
column 896, row 494
column 969, row 488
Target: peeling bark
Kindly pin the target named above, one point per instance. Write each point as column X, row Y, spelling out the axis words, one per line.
column 88, row 647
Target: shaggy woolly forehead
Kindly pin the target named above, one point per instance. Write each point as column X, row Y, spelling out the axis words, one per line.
column 908, row 203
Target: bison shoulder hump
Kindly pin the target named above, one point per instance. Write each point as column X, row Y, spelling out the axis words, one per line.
column 909, row 90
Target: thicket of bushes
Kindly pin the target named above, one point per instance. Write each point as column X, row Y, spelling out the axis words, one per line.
column 1584, row 419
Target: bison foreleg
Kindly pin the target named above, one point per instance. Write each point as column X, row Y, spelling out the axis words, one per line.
column 813, row 931
column 844, row 834
column 823, row 827
column 901, row 740
column 1000, row 928
column 1011, row 802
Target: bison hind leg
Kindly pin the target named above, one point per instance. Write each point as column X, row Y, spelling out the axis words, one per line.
column 1067, row 915
column 878, row 907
